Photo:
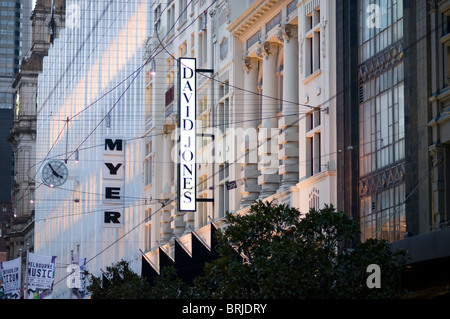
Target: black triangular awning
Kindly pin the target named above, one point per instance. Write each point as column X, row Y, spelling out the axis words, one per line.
column 214, row 252
column 164, row 260
column 184, row 264
column 187, row 266
column 200, row 253
column 148, row 272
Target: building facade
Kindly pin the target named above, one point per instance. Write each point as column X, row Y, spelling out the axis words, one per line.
column 89, row 121
column 392, row 98
column 303, row 103
column 394, row 119
column 22, row 135
column 14, row 44
column 266, row 112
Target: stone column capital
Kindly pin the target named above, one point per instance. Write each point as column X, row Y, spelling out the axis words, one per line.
column 266, row 48
column 168, row 128
column 286, row 32
column 250, row 63
column 437, row 153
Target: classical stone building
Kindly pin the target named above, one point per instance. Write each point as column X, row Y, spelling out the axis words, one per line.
column 266, row 112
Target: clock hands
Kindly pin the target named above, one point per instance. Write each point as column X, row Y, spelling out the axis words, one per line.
column 54, row 172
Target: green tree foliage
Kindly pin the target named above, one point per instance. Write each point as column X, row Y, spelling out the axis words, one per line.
column 169, row 286
column 294, row 256
column 118, row 282
column 275, row 252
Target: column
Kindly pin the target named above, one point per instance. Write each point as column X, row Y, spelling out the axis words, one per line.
column 249, row 168
column 167, row 220
column 438, row 198
column 268, row 133
column 288, row 122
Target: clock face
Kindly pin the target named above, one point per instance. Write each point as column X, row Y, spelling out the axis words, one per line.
column 55, row 173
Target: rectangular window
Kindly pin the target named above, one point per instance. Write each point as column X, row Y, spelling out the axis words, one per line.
column 223, row 115
column 312, row 42
column 383, row 215
column 148, row 169
column 381, row 121
column 183, row 11
column 157, row 17
column 203, row 47
column 148, row 230
column 182, row 49
column 313, row 143
column 223, row 200
column 192, row 45
column 148, row 100
column 224, row 49
column 171, row 20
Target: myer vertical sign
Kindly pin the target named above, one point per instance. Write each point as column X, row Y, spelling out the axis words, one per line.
column 113, row 182
column 187, row 113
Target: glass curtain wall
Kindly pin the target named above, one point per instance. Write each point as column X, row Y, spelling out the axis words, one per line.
column 381, row 119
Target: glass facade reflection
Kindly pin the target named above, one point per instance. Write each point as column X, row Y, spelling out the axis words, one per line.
column 381, row 119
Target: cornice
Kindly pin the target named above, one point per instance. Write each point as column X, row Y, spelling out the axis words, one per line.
column 251, row 16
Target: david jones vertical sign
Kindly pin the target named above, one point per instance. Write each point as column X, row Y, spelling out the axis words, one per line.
column 113, row 182
column 187, row 113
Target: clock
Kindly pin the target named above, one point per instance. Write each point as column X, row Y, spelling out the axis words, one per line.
column 55, row 173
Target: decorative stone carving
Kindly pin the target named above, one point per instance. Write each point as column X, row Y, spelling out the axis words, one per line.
column 286, row 32
column 227, row 9
column 300, row 51
column 324, row 29
column 249, row 63
column 266, row 48
column 212, row 14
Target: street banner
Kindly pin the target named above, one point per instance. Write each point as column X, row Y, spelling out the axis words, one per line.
column 82, row 289
column 77, row 282
column 41, row 274
column 10, row 278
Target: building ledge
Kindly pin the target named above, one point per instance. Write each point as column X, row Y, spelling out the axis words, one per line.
column 316, row 178
column 251, row 16
column 444, row 7
column 442, row 96
column 312, row 76
column 426, row 247
column 446, row 39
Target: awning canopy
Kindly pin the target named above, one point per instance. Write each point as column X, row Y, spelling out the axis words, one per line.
column 188, row 264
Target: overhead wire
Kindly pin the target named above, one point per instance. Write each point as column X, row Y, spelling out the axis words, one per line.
column 252, row 120
column 253, row 92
